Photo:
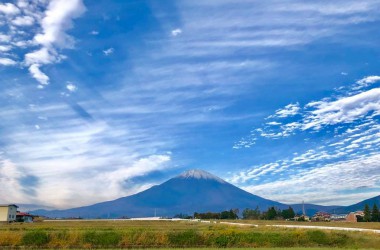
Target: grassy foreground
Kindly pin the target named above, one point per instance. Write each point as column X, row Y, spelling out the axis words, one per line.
column 170, row 234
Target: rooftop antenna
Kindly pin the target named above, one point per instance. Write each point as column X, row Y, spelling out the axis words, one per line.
column 303, row 208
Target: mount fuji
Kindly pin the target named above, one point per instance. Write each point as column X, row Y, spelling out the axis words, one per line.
column 192, row 191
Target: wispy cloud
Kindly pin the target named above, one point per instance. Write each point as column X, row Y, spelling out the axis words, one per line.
column 346, row 149
column 319, row 185
column 7, row 62
column 71, row 87
column 176, row 32
column 91, row 153
column 37, row 74
column 9, row 9
column 23, row 21
column 55, row 18
column 288, row 110
column 316, row 115
column 108, row 52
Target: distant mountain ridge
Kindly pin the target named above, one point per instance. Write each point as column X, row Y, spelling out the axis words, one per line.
column 192, row 191
column 360, row 205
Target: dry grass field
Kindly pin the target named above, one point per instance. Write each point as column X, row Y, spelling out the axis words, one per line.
column 179, row 234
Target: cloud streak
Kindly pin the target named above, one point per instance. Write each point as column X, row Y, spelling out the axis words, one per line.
column 57, row 19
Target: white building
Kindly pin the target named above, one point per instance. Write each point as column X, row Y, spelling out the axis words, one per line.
column 8, row 212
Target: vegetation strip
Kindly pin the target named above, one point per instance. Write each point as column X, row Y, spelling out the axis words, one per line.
column 328, row 228
column 174, row 234
column 238, row 224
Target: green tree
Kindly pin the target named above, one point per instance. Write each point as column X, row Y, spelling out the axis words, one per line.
column 271, row 213
column 231, row 214
column 367, row 213
column 251, row 214
column 288, row 213
column 375, row 213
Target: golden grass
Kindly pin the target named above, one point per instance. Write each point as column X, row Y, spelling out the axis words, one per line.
column 160, row 234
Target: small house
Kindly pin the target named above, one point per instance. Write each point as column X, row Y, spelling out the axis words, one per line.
column 321, row 216
column 8, row 212
column 24, row 217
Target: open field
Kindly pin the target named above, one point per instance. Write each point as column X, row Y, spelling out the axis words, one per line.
column 367, row 225
column 171, row 234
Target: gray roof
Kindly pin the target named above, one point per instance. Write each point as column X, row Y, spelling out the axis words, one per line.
column 8, row 205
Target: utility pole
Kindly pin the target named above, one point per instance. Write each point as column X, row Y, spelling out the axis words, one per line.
column 303, row 208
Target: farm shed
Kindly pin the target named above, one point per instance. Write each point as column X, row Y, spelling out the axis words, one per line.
column 8, row 212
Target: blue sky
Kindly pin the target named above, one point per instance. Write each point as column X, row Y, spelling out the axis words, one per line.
column 102, row 99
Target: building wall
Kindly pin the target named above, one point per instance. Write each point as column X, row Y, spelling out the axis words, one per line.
column 8, row 213
column 12, row 213
column 4, row 213
column 351, row 217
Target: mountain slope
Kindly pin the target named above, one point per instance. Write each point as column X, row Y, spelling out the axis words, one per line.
column 360, row 205
column 311, row 209
column 193, row 191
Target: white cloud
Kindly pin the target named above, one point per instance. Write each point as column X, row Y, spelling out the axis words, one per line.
column 57, row 19
column 273, row 123
column 4, row 48
column 319, row 185
column 71, row 87
column 22, row 44
column 41, row 56
column 5, row 38
column 288, row 110
column 343, row 110
column 82, row 162
column 348, row 107
column 22, row 4
column 366, row 81
column 7, row 62
column 109, row 51
column 94, row 32
column 9, row 175
column 23, row 21
column 176, row 32
column 9, row 9
column 37, row 74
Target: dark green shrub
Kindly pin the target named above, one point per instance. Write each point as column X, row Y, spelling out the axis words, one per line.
column 226, row 240
column 35, row 238
column 340, row 239
column 318, row 237
column 103, row 239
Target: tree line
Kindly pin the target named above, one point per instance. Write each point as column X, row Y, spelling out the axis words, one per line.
column 248, row 214
column 371, row 215
column 271, row 214
column 231, row 214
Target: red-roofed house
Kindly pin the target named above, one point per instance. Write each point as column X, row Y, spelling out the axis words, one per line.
column 24, row 217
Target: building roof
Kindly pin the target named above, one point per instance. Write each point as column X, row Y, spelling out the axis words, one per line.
column 8, row 205
column 23, row 214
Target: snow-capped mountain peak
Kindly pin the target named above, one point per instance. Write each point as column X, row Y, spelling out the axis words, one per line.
column 200, row 174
